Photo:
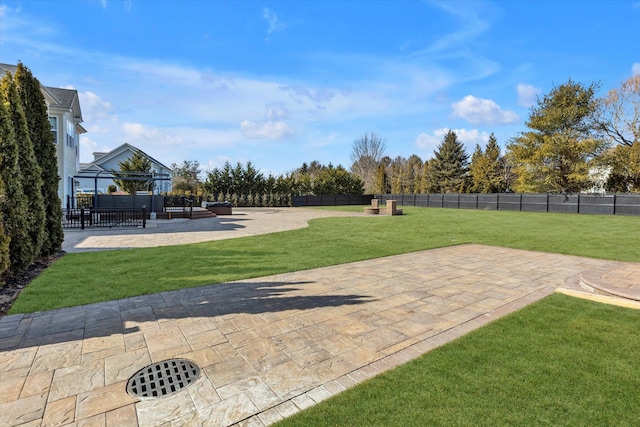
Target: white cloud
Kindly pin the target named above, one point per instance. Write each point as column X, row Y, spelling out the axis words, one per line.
column 88, row 147
column 428, row 142
column 266, row 130
column 135, row 132
column 527, row 94
column 482, row 111
column 94, row 108
column 472, row 137
column 468, row 137
column 276, row 111
column 635, row 69
column 216, row 162
column 272, row 19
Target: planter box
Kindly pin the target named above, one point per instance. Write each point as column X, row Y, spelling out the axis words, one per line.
column 218, row 208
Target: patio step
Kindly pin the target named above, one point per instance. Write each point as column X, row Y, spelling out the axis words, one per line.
column 595, row 282
column 198, row 213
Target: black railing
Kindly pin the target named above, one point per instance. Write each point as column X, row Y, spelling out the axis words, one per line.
column 332, row 200
column 179, row 204
column 610, row 204
column 83, row 218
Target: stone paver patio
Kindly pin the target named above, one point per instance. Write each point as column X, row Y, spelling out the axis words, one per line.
column 268, row 347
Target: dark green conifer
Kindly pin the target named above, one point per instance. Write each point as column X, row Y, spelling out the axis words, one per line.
column 31, row 172
column 450, row 165
column 4, row 238
column 14, row 206
column 35, row 110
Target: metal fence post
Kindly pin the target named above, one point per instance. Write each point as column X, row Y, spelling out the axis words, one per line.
column 520, row 202
column 144, row 217
column 82, row 218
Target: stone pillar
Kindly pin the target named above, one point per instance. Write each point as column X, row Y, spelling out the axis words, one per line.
column 374, row 203
column 391, row 207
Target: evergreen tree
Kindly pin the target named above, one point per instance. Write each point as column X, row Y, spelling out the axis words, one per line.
column 31, row 172
column 14, row 205
column 137, row 166
column 35, row 110
column 396, row 175
column 624, row 161
column 382, row 180
column 485, row 171
column 450, row 165
column 428, row 182
column 413, row 174
column 4, row 238
column 556, row 154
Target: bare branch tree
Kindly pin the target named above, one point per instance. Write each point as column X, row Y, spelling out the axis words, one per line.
column 366, row 153
column 619, row 113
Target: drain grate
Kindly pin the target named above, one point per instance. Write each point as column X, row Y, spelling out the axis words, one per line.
column 163, row 378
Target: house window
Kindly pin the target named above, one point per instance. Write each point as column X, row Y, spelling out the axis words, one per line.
column 53, row 121
column 71, row 134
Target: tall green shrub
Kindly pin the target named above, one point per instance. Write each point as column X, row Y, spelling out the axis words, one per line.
column 44, row 148
column 14, row 206
column 4, row 238
column 31, row 172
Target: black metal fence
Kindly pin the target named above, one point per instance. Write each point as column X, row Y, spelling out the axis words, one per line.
column 332, row 200
column 610, row 204
column 153, row 203
column 112, row 217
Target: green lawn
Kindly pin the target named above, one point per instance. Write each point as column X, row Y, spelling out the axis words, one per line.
column 559, row 362
column 82, row 278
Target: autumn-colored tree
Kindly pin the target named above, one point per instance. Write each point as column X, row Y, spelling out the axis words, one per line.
column 382, row 180
column 35, row 110
column 396, row 178
column 413, row 174
column 624, row 161
column 485, row 170
column 556, row 153
column 428, row 182
column 450, row 165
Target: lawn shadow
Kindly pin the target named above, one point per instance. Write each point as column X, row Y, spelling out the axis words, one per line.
column 138, row 313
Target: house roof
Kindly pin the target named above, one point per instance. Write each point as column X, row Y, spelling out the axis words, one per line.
column 8, row 68
column 66, row 99
column 96, row 164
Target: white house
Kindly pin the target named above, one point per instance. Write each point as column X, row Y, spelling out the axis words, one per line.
column 65, row 117
column 97, row 176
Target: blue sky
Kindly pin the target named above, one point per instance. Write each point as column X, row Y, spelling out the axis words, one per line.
column 286, row 82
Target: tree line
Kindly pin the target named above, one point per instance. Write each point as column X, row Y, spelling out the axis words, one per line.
column 30, row 209
column 245, row 180
column 572, row 141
